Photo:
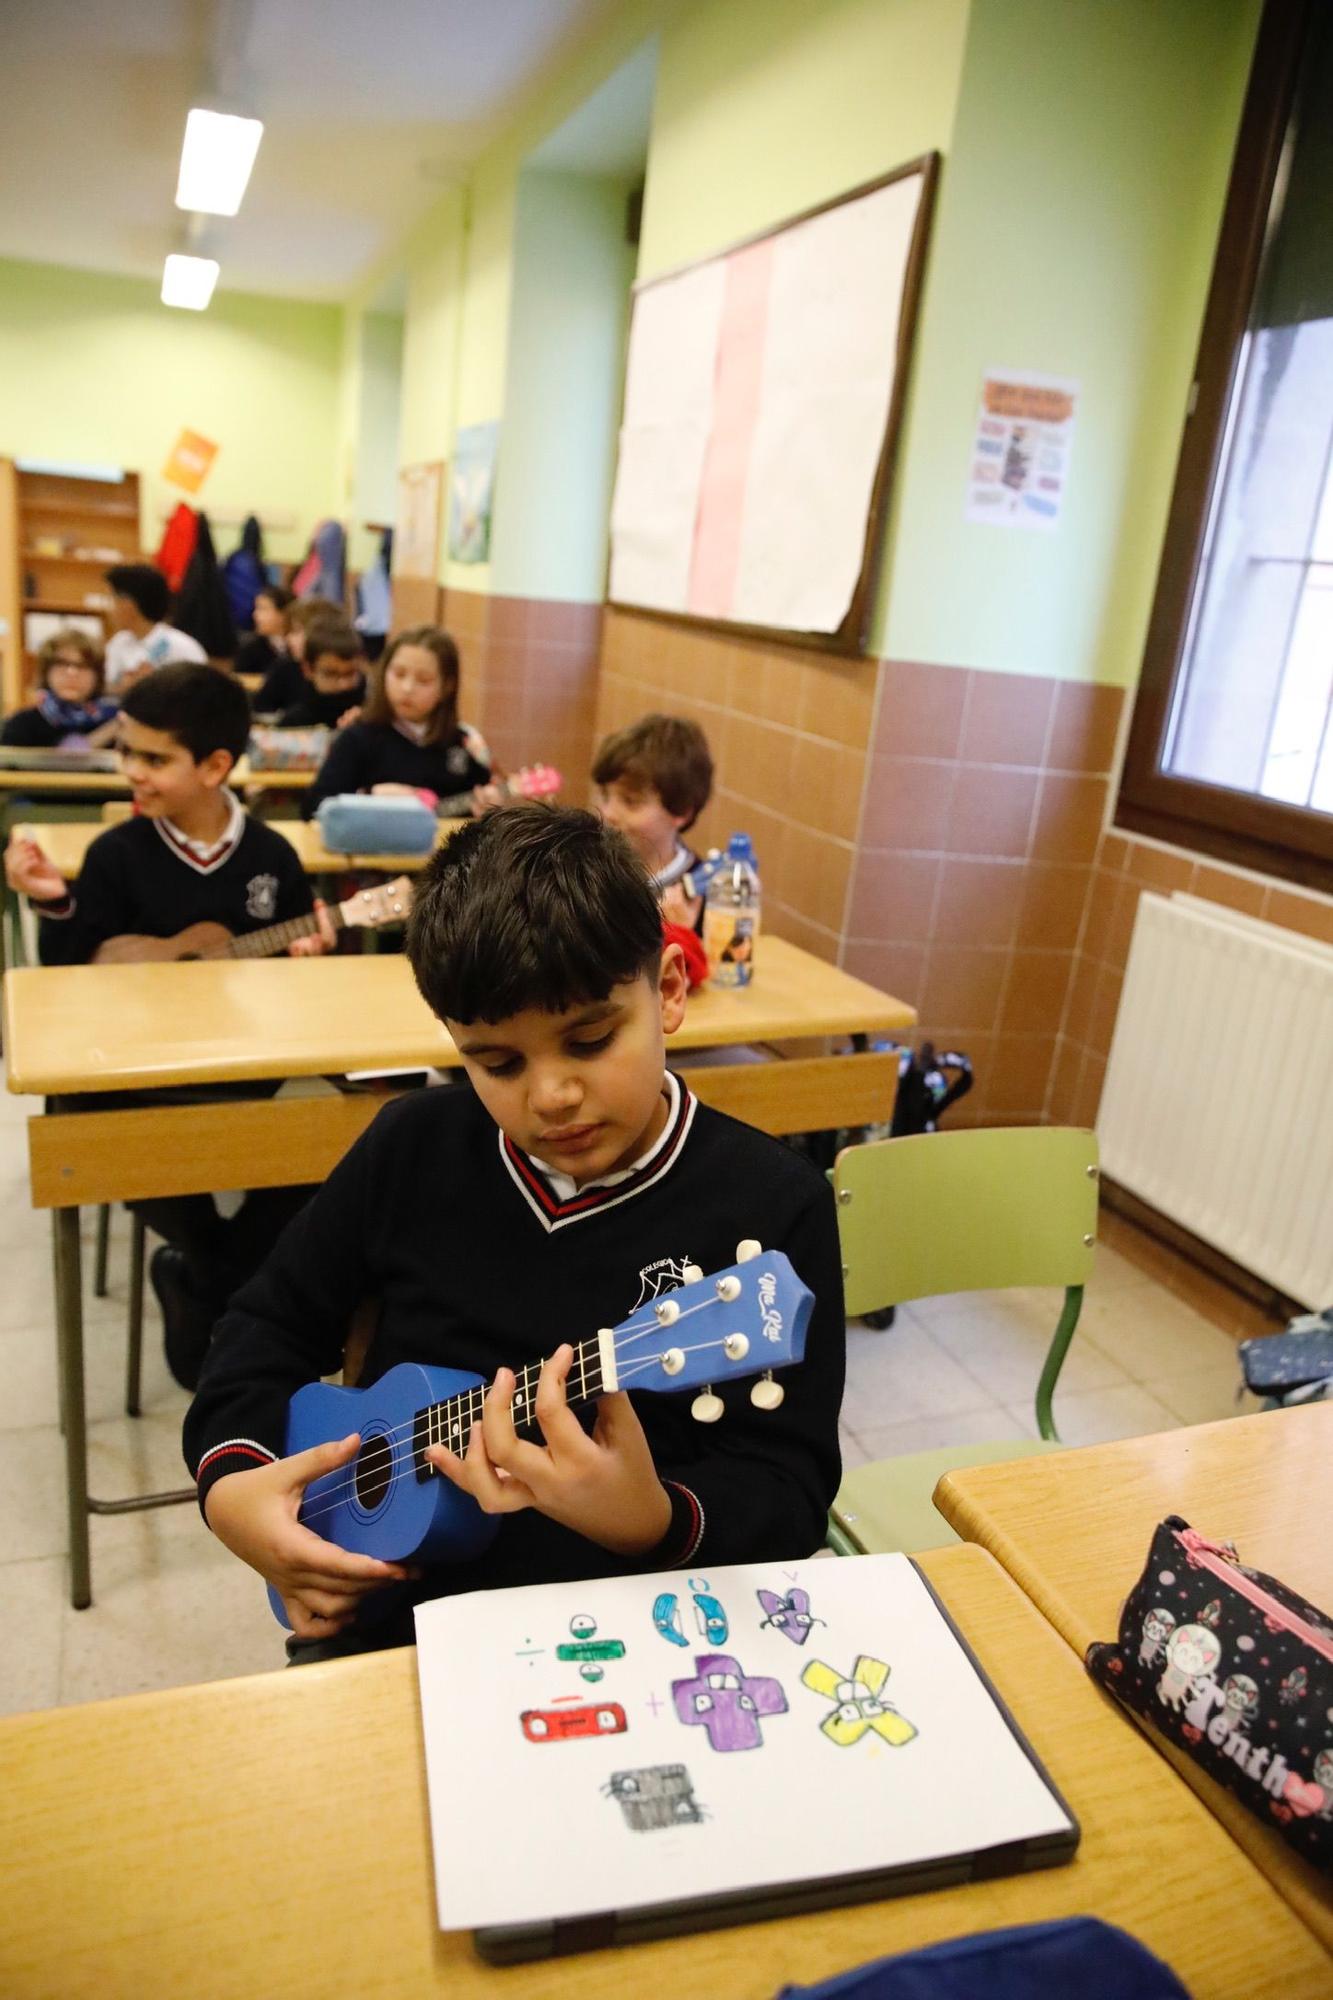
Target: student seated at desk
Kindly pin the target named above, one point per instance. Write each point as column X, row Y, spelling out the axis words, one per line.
column 142, row 639
column 569, row 1185
column 71, row 709
column 653, row 780
column 409, row 737
column 190, row 854
column 334, row 672
column 261, row 650
column 284, row 682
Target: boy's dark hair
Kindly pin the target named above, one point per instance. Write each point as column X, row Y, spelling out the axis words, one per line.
column 278, row 595
column 146, row 588
column 662, row 751
column 334, row 636
column 443, row 720
column 531, row 906
column 202, row 707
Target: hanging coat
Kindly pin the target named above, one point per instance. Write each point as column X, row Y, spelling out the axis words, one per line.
column 244, row 575
column 201, row 608
column 173, row 557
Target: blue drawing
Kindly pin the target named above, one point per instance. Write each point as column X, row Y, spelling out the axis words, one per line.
column 712, row 1619
column 666, row 1619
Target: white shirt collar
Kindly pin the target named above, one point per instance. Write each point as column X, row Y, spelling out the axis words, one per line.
column 565, row 1189
column 207, row 851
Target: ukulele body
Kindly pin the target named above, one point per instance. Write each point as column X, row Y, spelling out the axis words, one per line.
column 192, row 942
column 376, row 1505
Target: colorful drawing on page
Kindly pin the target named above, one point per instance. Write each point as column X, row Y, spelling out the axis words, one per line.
column 860, row 1704
column 655, row 1797
column 583, row 1649
column 666, row 1619
column 711, row 1618
column 788, row 1613
column 527, row 1651
column 727, row 1702
column 561, row 1724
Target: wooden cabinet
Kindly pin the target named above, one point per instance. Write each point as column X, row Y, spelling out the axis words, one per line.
column 59, row 534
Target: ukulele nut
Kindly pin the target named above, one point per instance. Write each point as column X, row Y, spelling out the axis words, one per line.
column 728, row 1289
column 666, row 1312
column 692, row 1275
column 706, row 1407
column 748, row 1249
column 673, row 1361
column 736, row 1346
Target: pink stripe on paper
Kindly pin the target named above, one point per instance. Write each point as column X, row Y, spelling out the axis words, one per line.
column 740, row 355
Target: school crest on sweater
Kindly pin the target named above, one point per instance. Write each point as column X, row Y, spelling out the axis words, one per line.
column 261, row 897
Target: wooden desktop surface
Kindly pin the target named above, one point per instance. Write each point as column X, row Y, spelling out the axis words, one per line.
column 127, row 1027
column 270, row 1835
column 65, row 842
column 1073, row 1529
column 113, row 785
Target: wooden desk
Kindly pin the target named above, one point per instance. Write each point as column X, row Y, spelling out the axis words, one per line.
column 1073, row 1528
column 67, row 841
column 271, row 1835
column 75, row 1029
column 113, row 785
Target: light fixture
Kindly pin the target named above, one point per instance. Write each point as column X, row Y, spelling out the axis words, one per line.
column 216, row 159
column 188, row 281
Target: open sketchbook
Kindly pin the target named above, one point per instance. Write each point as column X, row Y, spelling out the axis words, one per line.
column 641, row 1755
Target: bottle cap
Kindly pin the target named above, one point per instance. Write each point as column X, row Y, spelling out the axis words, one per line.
column 740, row 847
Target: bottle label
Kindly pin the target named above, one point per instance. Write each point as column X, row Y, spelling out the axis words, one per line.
column 729, row 937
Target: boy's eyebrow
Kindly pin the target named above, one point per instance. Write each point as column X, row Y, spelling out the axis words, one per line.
column 587, row 1017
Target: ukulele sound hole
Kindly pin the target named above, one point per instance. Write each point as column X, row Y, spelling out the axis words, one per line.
column 374, row 1469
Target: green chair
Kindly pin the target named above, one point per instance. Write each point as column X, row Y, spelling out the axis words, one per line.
column 944, row 1212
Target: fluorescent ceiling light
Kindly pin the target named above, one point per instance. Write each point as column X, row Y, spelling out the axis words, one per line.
column 216, row 159
column 188, row 281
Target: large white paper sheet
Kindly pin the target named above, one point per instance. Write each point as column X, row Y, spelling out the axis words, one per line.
column 601, row 1746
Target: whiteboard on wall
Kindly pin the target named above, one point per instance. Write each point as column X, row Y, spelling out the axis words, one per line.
column 763, row 391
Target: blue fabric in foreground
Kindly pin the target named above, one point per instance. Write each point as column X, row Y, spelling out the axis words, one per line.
column 1075, row 1955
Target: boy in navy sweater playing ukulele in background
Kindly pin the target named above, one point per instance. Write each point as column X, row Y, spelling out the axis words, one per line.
column 572, row 1182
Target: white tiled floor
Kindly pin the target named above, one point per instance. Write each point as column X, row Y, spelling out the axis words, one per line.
column 171, row 1606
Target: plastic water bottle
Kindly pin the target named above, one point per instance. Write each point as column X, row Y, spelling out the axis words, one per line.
column 731, row 915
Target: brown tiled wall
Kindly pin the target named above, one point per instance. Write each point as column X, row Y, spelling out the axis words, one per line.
column 530, row 679
column 984, row 806
column 1124, row 866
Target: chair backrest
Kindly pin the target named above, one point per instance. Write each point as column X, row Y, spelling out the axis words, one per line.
column 966, row 1211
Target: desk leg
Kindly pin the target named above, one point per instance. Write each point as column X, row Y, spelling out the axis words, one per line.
column 69, row 1345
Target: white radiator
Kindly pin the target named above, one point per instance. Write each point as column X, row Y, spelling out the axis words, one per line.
column 1218, row 1104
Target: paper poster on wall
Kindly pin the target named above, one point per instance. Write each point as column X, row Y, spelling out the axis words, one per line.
column 1020, row 452
column 190, row 461
column 472, row 493
column 416, row 541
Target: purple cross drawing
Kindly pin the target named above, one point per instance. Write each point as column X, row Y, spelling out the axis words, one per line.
column 727, row 1702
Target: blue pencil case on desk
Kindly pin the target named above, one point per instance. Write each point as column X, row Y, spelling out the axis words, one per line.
column 360, row 823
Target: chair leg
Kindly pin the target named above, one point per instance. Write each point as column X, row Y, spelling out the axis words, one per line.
column 103, row 1246
column 1055, row 1361
column 838, row 1539
column 134, row 1348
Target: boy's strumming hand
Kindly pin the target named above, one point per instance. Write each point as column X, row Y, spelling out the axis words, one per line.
column 255, row 1514
column 319, row 941
column 604, row 1487
column 28, row 870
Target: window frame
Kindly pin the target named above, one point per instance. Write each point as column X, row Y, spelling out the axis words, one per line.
column 1293, row 842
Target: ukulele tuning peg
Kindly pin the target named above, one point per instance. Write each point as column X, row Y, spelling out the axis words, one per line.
column 673, row 1361
column 736, row 1346
column 666, row 1312
column 728, row 1289
column 692, row 1275
column 766, row 1393
column 706, row 1407
column 748, row 1249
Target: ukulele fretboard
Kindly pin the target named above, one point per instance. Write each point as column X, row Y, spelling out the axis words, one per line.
column 450, row 1423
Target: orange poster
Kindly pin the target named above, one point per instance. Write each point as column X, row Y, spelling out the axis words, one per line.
column 190, row 461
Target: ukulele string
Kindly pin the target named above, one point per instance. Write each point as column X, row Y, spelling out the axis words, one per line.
column 622, row 1340
column 402, row 1458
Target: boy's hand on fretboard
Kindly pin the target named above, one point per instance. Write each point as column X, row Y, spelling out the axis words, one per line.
column 320, row 941
column 605, row 1487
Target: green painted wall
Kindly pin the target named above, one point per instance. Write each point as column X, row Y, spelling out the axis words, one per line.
column 572, row 271
column 1075, row 234
column 97, row 368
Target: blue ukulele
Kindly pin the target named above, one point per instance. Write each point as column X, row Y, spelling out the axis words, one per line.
column 390, row 1502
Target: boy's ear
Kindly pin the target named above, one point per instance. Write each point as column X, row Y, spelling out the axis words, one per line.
column 672, row 987
column 215, row 768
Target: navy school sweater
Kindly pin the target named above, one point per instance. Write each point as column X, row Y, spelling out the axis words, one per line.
column 375, row 753
column 134, row 879
column 476, row 1264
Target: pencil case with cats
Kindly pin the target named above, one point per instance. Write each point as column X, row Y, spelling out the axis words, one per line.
column 1236, row 1670
column 366, row 823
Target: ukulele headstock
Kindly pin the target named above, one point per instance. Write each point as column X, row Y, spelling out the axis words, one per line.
column 745, row 1320
column 371, row 909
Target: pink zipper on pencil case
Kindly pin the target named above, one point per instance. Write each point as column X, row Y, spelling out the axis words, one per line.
column 1212, row 1556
